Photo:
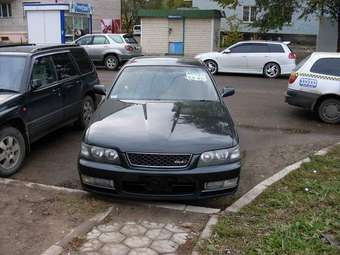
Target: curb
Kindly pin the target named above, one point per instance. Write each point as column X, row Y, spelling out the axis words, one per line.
column 171, row 206
column 82, row 229
column 254, row 193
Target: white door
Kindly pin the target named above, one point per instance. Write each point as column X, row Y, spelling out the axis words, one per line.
column 259, row 54
column 234, row 59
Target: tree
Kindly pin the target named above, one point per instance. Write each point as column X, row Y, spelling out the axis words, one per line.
column 275, row 14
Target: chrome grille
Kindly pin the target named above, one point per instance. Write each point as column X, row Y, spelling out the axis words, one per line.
column 158, row 160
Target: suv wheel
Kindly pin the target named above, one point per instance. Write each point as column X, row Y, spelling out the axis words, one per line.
column 87, row 111
column 271, row 70
column 111, row 62
column 12, row 151
column 212, row 66
column 329, row 111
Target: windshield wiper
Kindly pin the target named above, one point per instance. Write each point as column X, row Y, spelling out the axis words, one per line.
column 8, row 90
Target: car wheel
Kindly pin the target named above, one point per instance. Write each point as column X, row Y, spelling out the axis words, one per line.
column 271, row 70
column 212, row 66
column 111, row 62
column 87, row 111
column 12, row 151
column 329, row 111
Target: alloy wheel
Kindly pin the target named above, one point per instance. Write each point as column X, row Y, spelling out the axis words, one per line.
column 87, row 111
column 330, row 111
column 111, row 63
column 10, row 152
column 272, row 70
column 212, row 66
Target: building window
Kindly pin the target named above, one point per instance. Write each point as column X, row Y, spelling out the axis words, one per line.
column 249, row 13
column 5, row 10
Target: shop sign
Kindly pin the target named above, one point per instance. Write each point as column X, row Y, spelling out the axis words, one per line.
column 81, row 8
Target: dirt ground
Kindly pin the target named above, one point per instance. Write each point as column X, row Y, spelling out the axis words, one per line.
column 32, row 219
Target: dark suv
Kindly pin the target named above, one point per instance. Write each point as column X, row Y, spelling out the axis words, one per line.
column 41, row 89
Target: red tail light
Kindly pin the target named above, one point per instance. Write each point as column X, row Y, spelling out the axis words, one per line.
column 292, row 78
column 292, row 55
column 128, row 48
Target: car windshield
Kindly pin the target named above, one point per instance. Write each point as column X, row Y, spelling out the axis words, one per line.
column 164, row 83
column 129, row 39
column 11, row 72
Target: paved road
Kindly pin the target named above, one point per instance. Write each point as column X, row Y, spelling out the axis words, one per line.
column 272, row 135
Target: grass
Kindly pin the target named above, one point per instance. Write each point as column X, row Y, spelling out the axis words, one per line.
column 290, row 217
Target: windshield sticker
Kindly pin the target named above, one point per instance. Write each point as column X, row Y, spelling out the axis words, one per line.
column 195, row 76
column 308, row 83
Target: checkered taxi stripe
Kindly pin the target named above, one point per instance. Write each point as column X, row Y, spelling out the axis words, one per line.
column 319, row 76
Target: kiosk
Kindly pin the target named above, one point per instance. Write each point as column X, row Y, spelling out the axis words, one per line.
column 57, row 23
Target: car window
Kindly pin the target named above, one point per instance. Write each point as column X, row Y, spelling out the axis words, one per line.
column 97, row 40
column 43, row 72
column 117, row 38
column 276, row 48
column 258, row 48
column 327, row 66
column 129, row 39
column 11, row 72
column 85, row 40
column 164, row 83
column 64, row 66
column 241, row 48
column 83, row 61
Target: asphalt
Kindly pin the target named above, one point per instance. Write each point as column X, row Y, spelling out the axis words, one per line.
column 272, row 133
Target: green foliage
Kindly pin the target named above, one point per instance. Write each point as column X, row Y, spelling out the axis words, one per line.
column 227, row 3
column 234, row 35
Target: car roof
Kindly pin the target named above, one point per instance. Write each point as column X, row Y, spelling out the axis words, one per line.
column 31, row 49
column 326, row 54
column 262, row 41
column 164, row 61
column 121, row 34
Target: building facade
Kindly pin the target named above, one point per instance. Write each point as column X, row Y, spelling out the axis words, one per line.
column 245, row 12
column 13, row 23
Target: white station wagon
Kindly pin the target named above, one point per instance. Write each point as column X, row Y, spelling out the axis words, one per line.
column 271, row 59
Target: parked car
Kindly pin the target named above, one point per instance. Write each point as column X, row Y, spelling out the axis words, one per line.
column 41, row 89
column 271, row 59
column 110, row 49
column 162, row 132
column 137, row 30
column 315, row 85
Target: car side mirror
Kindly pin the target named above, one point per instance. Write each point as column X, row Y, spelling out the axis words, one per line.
column 100, row 90
column 227, row 92
column 227, row 51
column 35, row 84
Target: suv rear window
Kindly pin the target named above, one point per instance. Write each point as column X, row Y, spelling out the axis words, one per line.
column 276, row 48
column 129, row 39
column 327, row 66
column 83, row 61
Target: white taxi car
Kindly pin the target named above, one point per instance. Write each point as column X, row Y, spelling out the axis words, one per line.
column 315, row 85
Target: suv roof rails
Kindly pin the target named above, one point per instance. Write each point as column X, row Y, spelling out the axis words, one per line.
column 16, row 45
column 51, row 47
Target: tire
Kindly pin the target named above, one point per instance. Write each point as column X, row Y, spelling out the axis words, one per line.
column 272, row 70
column 12, row 151
column 87, row 110
column 212, row 66
column 329, row 111
column 111, row 62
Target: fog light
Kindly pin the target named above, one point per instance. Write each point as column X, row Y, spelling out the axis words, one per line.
column 98, row 182
column 220, row 185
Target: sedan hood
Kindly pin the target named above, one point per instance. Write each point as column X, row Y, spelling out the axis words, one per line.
column 164, row 127
column 7, row 96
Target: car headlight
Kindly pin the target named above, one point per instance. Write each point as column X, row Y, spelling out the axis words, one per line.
column 99, row 154
column 219, row 157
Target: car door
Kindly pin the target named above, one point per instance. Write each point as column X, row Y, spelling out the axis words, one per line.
column 258, row 55
column 44, row 100
column 99, row 44
column 85, row 42
column 234, row 59
column 71, row 86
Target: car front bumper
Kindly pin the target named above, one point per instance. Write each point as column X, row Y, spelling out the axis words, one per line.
column 159, row 184
column 302, row 99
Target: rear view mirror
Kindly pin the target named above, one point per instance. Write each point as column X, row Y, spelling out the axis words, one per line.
column 227, row 92
column 227, row 51
column 100, row 90
column 35, row 84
